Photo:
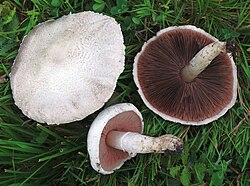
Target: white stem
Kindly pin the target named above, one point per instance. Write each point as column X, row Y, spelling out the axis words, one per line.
column 202, row 59
column 136, row 143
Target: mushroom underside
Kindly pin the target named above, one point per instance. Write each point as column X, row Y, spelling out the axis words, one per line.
column 111, row 158
column 159, row 68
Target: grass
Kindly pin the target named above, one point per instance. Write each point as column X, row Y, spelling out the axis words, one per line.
column 215, row 154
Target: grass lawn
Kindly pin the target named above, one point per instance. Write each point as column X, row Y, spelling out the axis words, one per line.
column 215, row 154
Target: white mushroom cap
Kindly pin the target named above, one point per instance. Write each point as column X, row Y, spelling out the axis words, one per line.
column 120, row 117
column 68, row 68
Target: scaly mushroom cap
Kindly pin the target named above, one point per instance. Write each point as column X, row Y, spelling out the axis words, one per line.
column 120, row 117
column 68, row 68
column 157, row 74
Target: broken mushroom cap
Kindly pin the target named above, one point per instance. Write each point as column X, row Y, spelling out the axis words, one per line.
column 185, row 75
column 120, row 117
column 67, row 68
column 115, row 136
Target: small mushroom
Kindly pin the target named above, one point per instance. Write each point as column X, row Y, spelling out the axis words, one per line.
column 185, row 75
column 67, row 68
column 115, row 136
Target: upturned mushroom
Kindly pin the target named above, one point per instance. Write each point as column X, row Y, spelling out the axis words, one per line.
column 115, row 136
column 67, row 68
column 186, row 75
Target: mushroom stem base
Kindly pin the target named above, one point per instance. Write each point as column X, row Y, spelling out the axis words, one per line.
column 136, row 143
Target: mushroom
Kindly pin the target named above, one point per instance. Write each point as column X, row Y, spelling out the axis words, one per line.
column 67, row 68
column 185, row 75
column 115, row 136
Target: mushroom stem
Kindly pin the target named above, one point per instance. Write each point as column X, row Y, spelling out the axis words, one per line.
column 202, row 59
column 136, row 143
